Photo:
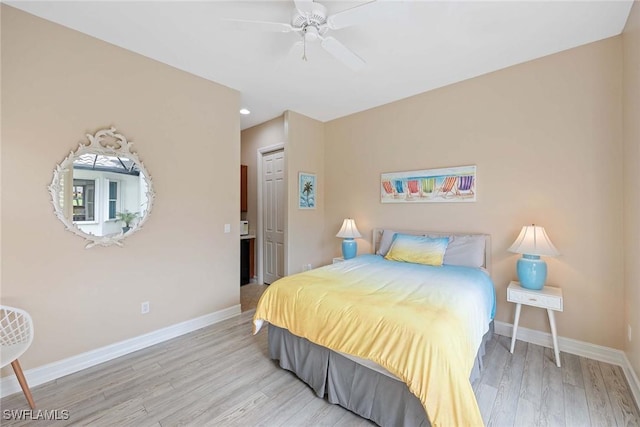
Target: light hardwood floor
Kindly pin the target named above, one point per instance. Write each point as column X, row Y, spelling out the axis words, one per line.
column 250, row 294
column 221, row 375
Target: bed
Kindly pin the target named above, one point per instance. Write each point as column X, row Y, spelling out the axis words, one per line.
column 394, row 338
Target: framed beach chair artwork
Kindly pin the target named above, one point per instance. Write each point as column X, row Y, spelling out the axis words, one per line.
column 454, row 184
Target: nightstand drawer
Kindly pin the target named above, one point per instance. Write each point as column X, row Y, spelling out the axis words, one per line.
column 534, row 299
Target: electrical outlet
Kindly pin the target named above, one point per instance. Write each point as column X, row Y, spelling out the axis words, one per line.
column 629, row 332
column 144, row 307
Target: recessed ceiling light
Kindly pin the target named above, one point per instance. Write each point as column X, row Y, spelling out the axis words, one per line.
column 244, row 111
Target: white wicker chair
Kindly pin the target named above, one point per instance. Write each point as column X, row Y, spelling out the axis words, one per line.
column 16, row 335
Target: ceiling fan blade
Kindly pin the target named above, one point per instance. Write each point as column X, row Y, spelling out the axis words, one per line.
column 355, row 15
column 342, row 53
column 297, row 49
column 274, row 27
column 304, row 6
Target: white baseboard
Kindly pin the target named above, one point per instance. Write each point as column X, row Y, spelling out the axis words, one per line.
column 55, row 370
column 579, row 348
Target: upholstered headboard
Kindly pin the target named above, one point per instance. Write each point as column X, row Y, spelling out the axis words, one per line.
column 377, row 235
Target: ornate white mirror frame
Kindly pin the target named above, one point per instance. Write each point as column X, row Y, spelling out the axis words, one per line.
column 66, row 191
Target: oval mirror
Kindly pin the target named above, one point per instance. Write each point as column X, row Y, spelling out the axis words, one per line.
column 102, row 191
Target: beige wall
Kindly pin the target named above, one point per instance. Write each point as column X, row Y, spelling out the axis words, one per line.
column 631, row 126
column 306, row 239
column 57, row 85
column 546, row 138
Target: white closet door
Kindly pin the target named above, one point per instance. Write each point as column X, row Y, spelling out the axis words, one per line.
column 273, row 205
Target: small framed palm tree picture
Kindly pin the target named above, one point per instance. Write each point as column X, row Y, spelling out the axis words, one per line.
column 306, row 190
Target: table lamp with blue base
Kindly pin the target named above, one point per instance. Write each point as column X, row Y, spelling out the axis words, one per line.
column 533, row 242
column 348, row 232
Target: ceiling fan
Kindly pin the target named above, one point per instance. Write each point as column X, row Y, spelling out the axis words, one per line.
column 311, row 21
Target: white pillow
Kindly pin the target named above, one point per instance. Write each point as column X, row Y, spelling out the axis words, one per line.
column 467, row 251
column 385, row 242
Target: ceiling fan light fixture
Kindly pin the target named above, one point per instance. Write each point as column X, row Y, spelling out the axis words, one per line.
column 311, row 33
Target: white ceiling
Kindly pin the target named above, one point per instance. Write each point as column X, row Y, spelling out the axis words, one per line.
column 411, row 47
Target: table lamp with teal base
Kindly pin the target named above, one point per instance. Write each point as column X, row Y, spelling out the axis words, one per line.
column 533, row 242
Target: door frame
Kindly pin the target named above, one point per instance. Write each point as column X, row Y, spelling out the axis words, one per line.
column 259, row 235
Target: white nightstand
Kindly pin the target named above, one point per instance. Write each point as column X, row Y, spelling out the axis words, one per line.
column 548, row 297
column 338, row 259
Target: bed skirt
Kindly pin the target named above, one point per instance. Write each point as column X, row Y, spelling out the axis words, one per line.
column 381, row 398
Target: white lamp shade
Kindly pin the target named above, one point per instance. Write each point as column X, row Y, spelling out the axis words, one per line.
column 533, row 240
column 349, row 229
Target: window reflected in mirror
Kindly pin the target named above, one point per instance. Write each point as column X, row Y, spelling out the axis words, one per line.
column 104, row 187
column 84, row 196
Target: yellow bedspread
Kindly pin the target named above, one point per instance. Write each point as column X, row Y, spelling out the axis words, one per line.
column 415, row 333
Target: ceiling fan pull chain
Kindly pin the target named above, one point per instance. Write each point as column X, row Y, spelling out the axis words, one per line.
column 304, row 44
